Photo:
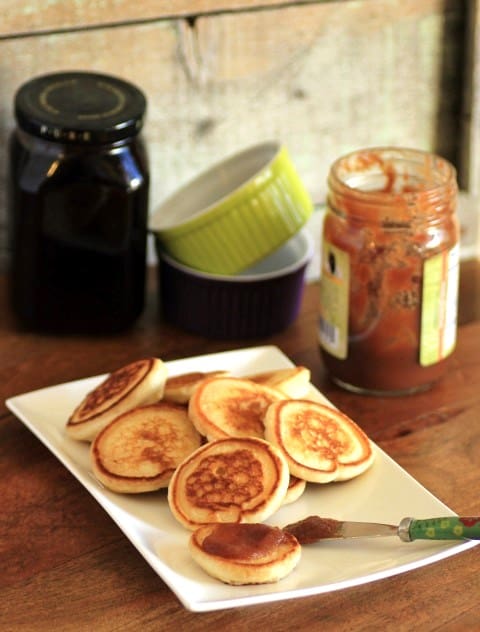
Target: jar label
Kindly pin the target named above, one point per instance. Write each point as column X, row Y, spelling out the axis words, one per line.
column 438, row 326
column 438, row 332
column 334, row 300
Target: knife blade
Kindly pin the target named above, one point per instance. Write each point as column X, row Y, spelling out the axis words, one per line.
column 314, row 528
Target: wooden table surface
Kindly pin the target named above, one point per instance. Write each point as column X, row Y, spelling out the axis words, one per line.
column 65, row 565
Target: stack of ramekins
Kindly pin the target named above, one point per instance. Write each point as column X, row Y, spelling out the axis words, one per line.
column 231, row 249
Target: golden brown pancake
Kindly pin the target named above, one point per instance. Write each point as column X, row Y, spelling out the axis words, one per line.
column 296, row 487
column 293, row 382
column 229, row 480
column 320, row 443
column 245, row 553
column 139, row 450
column 179, row 388
column 136, row 384
column 230, row 407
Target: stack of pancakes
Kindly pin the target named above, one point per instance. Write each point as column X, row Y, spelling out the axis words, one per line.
column 231, row 451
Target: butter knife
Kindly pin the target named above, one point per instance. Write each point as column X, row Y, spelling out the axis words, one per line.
column 315, row 528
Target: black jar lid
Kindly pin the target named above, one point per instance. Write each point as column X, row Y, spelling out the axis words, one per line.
column 80, row 107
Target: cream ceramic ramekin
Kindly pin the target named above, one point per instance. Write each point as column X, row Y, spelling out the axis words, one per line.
column 235, row 213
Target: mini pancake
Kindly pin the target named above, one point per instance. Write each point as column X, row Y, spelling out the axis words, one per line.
column 136, row 384
column 296, row 487
column 139, row 450
column 320, row 443
column 230, row 407
column 245, row 553
column 293, row 382
column 229, row 480
column 179, row 388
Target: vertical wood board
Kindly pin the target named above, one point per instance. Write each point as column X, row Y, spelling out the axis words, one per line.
column 322, row 78
column 37, row 16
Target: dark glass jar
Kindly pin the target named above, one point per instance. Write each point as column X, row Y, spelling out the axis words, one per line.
column 78, row 204
column 390, row 269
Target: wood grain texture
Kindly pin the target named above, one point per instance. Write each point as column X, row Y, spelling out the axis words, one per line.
column 29, row 17
column 66, row 566
column 469, row 160
column 322, row 77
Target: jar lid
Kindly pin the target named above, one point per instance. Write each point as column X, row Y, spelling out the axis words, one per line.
column 80, row 107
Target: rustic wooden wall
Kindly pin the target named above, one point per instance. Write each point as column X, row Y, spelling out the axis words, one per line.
column 323, row 77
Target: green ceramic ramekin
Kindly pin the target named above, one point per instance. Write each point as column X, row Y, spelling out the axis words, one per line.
column 235, row 213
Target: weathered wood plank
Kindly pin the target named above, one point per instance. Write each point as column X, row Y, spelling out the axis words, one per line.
column 36, row 16
column 470, row 119
column 324, row 78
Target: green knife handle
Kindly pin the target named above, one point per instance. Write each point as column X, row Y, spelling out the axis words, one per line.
column 448, row 528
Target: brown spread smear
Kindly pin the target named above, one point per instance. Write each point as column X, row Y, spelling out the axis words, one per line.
column 313, row 529
column 243, row 541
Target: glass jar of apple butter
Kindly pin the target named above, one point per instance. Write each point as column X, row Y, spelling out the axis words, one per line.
column 77, row 203
column 389, row 271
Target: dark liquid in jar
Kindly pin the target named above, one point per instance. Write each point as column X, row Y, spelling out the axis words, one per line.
column 78, row 236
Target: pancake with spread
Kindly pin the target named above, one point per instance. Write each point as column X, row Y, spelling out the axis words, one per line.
column 229, row 480
column 136, row 384
column 293, row 382
column 179, row 388
column 231, row 407
column 139, row 450
column 320, row 443
column 245, row 553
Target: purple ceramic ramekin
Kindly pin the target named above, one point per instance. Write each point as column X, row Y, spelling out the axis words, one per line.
column 258, row 302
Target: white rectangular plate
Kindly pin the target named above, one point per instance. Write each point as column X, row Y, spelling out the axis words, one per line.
column 385, row 493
